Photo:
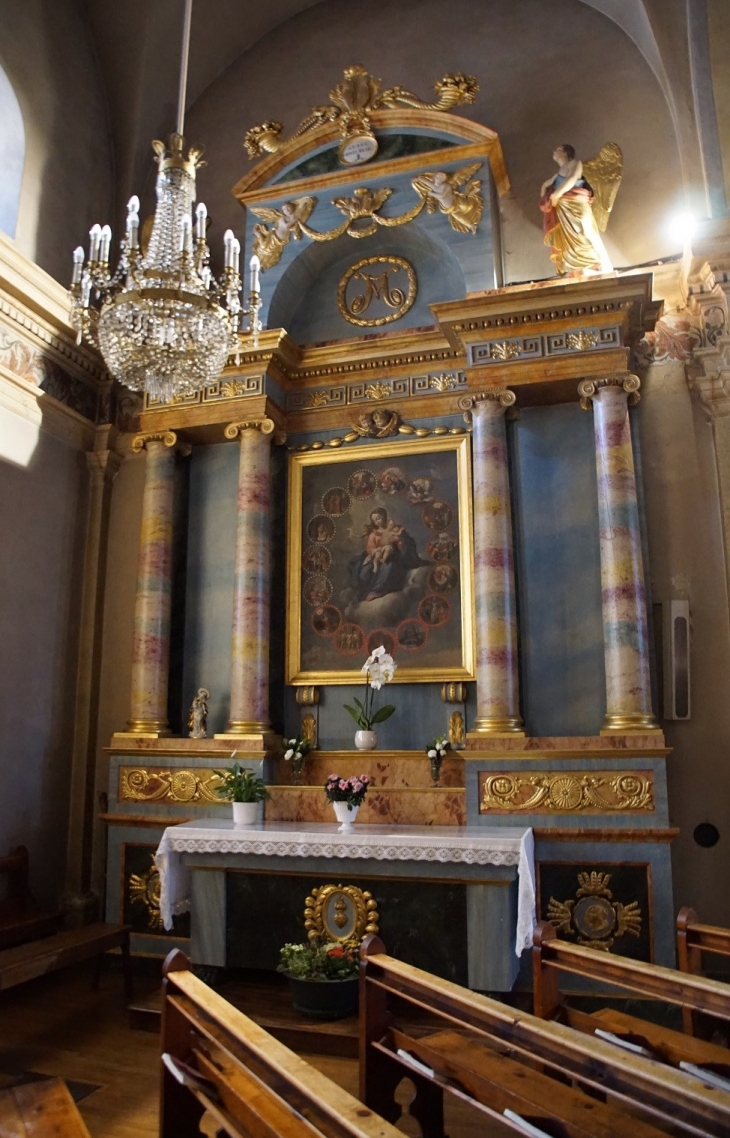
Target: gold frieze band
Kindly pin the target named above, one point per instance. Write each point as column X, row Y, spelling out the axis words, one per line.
column 585, row 792
column 155, row 784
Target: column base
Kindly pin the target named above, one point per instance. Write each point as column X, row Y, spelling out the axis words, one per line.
column 633, row 723
column 496, row 725
column 146, row 729
column 256, row 736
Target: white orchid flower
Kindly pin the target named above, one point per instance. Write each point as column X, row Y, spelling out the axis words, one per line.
column 377, row 684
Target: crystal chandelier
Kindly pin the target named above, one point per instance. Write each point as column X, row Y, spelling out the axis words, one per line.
column 163, row 323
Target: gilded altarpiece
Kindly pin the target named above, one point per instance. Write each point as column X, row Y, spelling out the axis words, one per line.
column 388, row 339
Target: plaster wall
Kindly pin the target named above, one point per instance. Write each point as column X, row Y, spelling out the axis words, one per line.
column 718, row 27
column 548, row 73
column 48, row 57
column 42, row 516
column 686, row 562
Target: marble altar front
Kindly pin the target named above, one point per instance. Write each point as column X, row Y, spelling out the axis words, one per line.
column 493, row 869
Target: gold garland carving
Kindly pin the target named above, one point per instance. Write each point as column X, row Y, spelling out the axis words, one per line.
column 136, row 784
column 378, row 424
column 350, row 101
column 346, row 897
column 567, row 793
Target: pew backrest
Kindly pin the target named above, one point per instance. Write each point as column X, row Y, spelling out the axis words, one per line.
column 216, row 1059
column 694, row 939
column 656, row 1095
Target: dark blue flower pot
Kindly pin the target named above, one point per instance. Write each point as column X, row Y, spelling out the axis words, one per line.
column 324, row 999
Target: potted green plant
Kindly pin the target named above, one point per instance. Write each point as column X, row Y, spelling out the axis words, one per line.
column 245, row 790
column 436, row 753
column 346, row 796
column 378, row 669
column 323, row 977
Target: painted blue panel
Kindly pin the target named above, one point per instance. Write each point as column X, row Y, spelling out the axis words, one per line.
column 558, row 570
column 209, row 601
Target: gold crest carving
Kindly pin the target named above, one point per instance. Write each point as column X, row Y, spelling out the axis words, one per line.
column 387, row 280
column 592, row 916
column 352, row 99
column 144, row 889
column 340, row 913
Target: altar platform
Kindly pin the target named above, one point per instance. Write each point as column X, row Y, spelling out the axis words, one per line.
column 460, row 899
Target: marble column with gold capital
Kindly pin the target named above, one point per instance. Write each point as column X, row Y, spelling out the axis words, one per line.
column 498, row 699
column 249, row 713
column 623, row 597
column 151, row 649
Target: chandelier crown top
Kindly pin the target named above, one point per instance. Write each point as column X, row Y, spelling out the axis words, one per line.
column 172, row 156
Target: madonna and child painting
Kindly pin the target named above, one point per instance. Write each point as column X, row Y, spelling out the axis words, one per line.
column 382, row 556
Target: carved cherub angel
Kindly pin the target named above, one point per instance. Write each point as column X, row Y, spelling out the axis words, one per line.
column 443, row 191
column 378, row 424
column 286, row 222
column 576, row 203
column 363, row 203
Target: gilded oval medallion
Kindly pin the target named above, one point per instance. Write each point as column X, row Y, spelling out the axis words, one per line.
column 377, row 291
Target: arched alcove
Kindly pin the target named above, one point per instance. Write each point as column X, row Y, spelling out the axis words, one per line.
column 302, row 302
column 12, row 155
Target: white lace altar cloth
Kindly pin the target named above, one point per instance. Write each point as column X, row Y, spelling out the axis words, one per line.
column 466, row 845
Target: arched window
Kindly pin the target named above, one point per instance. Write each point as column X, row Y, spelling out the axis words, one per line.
column 12, row 154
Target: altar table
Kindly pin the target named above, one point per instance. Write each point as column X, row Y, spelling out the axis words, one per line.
column 494, row 867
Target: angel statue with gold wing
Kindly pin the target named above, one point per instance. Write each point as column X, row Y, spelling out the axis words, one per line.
column 443, row 191
column 576, row 203
column 286, row 222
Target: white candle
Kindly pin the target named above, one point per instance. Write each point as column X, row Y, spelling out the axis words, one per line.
column 185, row 225
column 228, row 240
column 255, row 267
column 78, row 265
column 105, row 242
column 133, row 222
column 236, row 253
column 201, row 214
column 94, row 239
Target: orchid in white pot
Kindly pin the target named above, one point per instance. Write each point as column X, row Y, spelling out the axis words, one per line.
column 378, row 669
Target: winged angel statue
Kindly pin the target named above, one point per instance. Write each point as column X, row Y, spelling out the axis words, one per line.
column 285, row 223
column 576, row 203
column 444, row 191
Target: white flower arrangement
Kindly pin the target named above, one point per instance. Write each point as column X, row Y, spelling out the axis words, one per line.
column 436, row 752
column 296, row 752
column 378, row 669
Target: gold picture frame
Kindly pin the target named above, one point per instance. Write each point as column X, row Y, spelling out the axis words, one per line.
column 412, row 496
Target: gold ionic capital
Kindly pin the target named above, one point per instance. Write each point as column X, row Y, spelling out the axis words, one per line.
column 266, row 426
column 588, row 388
column 499, row 399
column 168, row 438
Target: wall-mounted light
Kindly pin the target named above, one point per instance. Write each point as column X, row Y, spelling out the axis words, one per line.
column 681, row 228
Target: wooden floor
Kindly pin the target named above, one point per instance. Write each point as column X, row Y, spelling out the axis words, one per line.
column 56, row 1025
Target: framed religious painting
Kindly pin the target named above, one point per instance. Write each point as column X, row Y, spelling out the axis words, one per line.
column 380, row 552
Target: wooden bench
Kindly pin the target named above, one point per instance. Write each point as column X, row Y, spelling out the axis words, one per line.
column 26, row 961
column 552, row 957
column 21, row 918
column 693, row 939
column 499, row 1059
column 217, row 1060
column 43, row 1109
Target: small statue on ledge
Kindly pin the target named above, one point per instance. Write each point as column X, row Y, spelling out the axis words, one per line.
column 576, row 203
column 198, row 717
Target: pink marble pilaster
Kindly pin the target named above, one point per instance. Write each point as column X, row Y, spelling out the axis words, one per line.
column 498, row 700
column 251, row 593
column 151, row 646
column 623, row 597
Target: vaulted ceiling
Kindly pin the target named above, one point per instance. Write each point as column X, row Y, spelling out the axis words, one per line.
column 138, row 46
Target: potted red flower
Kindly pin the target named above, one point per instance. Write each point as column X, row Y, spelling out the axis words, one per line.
column 323, row 977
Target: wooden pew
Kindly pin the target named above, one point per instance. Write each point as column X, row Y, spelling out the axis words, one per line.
column 693, row 939
column 21, row 918
column 26, row 961
column 216, row 1059
column 497, row 1059
column 551, row 957
column 40, row 1110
